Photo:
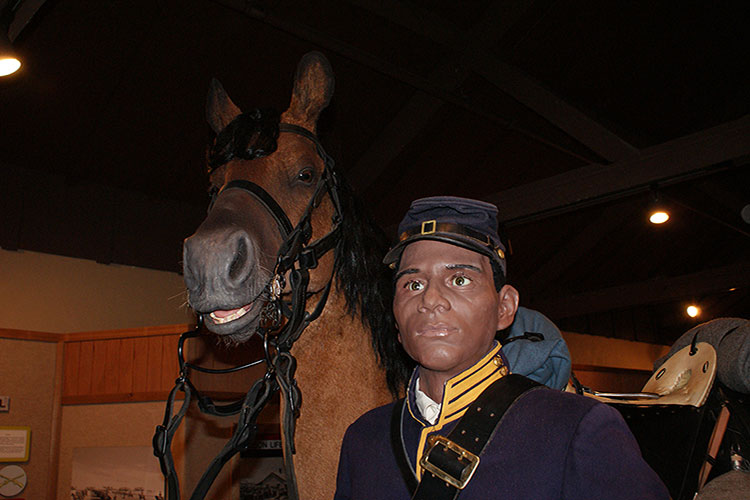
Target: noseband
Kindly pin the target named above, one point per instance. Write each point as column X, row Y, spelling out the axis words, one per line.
column 283, row 321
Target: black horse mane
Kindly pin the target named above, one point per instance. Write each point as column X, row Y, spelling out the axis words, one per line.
column 360, row 273
column 367, row 284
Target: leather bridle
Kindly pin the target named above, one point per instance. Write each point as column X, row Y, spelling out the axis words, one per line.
column 282, row 323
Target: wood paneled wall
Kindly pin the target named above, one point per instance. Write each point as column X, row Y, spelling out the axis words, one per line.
column 120, row 366
column 141, row 364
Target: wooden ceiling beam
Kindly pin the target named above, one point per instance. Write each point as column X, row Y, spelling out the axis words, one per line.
column 25, row 11
column 357, row 55
column 555, row 110
column 505, row 77
column 373, row 166
column 687, row 157
column 652, row 291
column 580, row 243
column 419, row 110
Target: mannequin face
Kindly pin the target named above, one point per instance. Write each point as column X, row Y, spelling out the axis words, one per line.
column 446, row 306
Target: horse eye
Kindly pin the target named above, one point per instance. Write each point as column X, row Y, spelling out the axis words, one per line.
column 306, row 175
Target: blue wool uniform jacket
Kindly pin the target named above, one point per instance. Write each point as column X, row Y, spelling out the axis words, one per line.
column 550, row 445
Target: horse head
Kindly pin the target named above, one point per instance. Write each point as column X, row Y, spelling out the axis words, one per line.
column 231, row 261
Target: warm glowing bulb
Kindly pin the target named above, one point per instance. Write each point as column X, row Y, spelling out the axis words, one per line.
column 9, row 65
column 693, row 311
column 659, row 217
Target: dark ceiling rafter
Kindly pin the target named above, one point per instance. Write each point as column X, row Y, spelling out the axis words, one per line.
column 415, row 115
column 581, row 241
column 652, row 291
column 681, row 159
column 507, row 78
column 25, row 11
column 384, row 67
column 705, row 214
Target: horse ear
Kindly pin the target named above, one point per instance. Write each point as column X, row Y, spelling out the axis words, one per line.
column 220, row 110
column 313, row 89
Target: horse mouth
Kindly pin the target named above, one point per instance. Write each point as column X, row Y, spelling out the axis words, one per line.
column 236, row 323
column 222, row 317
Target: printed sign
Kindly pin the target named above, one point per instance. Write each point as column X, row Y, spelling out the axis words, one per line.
column 14, row 443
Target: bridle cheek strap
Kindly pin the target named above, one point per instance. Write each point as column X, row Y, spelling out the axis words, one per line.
column 265, row 199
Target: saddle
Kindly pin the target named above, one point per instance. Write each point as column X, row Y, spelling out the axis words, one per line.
column 691, row 426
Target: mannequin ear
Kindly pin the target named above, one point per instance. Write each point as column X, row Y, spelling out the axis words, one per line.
column 506, row 307
column 313, row 89
column 220, row 110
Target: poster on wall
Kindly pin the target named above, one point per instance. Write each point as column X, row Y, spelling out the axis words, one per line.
column 263, row 479
column 116, row 473
column 14, row 443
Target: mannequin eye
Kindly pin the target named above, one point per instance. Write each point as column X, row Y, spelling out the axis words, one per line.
column 460, row 280
column 306, row 175
column 413, row 286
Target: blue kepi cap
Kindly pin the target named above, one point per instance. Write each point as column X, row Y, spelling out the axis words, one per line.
column 471, row 224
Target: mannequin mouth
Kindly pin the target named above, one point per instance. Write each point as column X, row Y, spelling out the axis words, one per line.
column 436, row 330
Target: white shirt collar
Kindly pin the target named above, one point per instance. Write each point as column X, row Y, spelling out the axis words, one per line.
column 429, row 409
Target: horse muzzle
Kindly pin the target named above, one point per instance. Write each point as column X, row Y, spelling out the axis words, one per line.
column 225, row 279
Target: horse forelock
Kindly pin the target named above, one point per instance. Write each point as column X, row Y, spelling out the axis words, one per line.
column 248, row 136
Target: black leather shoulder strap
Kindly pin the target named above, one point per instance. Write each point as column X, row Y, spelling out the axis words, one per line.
column 399, row 450
column 452, row 458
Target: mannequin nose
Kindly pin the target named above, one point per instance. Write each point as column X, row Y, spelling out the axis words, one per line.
column 434, row 298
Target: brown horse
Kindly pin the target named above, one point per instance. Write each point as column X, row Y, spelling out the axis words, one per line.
column 230, row 261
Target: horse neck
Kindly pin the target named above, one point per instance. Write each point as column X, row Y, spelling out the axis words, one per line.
column 340, row 379
column 338, row 346
column 334, row 323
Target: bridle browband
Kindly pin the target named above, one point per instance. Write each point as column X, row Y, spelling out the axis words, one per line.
column 282, row 321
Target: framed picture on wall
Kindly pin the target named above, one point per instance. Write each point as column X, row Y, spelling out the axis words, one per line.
column 263, row 479
column 15, row 441
column 117, row 473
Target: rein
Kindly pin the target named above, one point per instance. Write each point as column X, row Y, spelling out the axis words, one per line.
column 282, row 322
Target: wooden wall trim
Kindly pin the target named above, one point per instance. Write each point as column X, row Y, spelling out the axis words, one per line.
column 146, row 331
column 133, row 397
column 9, row 333
column 54, row 446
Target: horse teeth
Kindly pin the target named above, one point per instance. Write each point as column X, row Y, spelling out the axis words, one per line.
column 230, row 317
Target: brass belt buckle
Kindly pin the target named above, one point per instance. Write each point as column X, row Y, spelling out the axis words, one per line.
column 460, row 453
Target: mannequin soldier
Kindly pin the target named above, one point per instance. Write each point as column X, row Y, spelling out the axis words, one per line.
column 466, row 427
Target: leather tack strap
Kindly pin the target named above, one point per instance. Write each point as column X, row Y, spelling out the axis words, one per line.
column 450, row 462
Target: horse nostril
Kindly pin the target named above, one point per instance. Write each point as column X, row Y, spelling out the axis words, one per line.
column 238, row 269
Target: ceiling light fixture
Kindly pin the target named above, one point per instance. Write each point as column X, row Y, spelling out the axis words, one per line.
column 9, row 60
column 657, row 214
column 658, row 217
